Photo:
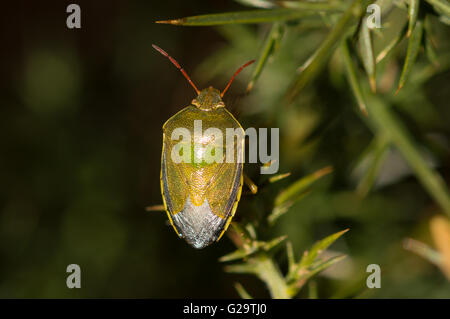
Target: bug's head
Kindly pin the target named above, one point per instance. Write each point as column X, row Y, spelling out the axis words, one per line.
column 208, row 99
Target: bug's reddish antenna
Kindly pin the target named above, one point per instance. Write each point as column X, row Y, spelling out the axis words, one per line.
column 236, row 73
column 157, row 48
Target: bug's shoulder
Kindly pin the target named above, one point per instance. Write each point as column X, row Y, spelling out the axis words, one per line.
column 179, row 119
column 220, row 118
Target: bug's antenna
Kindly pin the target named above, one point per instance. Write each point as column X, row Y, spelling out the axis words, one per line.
column 157, row 48
column 236, row 73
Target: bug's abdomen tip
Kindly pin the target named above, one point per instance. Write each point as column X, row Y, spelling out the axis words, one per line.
column 198, row 224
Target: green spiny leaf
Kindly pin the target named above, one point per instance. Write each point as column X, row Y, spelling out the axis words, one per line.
column 322, row 266
column 267, row 270
column 353, row 77
column 318, row 248
column 429, row 51
column 290, row 256
column 239, row 253
column 300, row 186
column 273, row 37
column 280, row 210
column 430, row 70
column 377, row 154
column 312, row 290
column 423, row 251
column 278, row 177
column 385, row 122
column 441, row 6
column 254, row 247
column 428, row 43
column 266, row 4
column 241, row 291
column 240, row 17
column 413, row 49
column 317, row 61
column 366, row 48
column 302, row 275
column 250, row 184
column 251, row 231
column 396, row 40
column 243, row 268
column 319, row 6
column 413, row 12
column 267, row 246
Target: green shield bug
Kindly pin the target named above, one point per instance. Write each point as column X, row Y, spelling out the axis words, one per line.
column 200, row 183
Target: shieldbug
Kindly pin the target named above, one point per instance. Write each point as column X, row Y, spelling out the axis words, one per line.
column 201, row 196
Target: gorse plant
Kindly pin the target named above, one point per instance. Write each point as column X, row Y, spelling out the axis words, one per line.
column 296, row 44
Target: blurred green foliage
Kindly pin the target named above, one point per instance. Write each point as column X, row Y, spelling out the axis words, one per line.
column 82, row 112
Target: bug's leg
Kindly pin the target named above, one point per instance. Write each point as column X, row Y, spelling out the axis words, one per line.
column 155, row 208
column 250, row 184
